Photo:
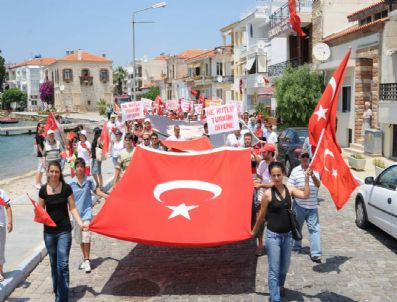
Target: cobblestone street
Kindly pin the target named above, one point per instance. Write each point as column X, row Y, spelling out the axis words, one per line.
column 357, row 266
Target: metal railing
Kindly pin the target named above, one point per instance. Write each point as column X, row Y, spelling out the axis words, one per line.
column 277, row 69
column 388, row 92
column 283, row 12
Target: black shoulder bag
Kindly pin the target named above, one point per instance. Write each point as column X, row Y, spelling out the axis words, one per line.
column 295, row 230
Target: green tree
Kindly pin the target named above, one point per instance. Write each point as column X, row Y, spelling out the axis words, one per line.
column 152, row 93
column 101, row 106
column 297, row 92
column 2, row 72
column 119, row 75
column 14, row 95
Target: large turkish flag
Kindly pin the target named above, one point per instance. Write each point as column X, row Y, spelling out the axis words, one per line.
column 181, row 199
column 199, row 144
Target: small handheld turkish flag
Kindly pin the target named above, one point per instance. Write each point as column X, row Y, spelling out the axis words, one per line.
column 181, row 199
column 51, row 124
column 2, row 202
column 105, row 140
column 40, row 215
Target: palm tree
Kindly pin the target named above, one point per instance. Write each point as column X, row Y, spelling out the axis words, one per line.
column 119, row 76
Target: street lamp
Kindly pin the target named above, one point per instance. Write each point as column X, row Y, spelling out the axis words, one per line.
column 154, row 6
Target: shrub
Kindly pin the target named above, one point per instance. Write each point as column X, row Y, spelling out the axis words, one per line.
column 101, row 106
column 357, row 156
column 379, row 163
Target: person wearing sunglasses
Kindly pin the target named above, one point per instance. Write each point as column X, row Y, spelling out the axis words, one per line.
column 306, row 209
column 146, row 140
column 155, row 142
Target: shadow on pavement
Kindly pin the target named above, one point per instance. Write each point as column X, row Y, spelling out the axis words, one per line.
column 80, row 291
column 151, row 271
column 384, row 238
column 326, row 296
column 331, row 264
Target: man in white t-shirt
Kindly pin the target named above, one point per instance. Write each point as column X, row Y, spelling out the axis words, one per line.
column 4, row 228
column 235, row 139
column 306, row 209
column 177, row 135
column 272, row 138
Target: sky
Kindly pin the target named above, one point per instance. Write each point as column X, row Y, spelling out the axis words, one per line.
column 51, row 27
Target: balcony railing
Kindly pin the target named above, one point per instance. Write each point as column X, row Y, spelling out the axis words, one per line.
column 277, row 69
column 283, row 12
column 388, row 92
column 86, row 80
column 224, row 79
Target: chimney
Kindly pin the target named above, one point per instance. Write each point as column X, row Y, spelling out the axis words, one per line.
column 104, row 55
column 79, row 55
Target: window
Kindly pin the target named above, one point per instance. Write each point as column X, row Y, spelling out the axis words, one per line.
column 57, row 76
column 219, row 69
column 85, row 72
column 388, row 179
column 33, row 102
column 104, row 75
column 197, row 71
column 251, row 31
column 346, row 98
column 207, row 71
column 219, row 93
column 169, row 94
column 67, row 75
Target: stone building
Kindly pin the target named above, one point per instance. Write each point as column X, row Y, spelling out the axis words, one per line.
column 371, row 74
column 80, row 80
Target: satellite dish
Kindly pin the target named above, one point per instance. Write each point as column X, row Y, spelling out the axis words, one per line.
column 261, row 44
column 219, row 78
column 62, row 87
column 321, row 51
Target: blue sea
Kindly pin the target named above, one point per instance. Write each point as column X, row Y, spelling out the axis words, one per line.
column 17, row 155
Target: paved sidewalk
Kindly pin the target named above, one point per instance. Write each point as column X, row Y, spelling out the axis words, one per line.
column 357, row 266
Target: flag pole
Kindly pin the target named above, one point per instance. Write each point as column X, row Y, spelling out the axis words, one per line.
column 317, row 147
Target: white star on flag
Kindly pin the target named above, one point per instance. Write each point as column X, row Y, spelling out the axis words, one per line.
column 181, row 210
column 321, row 113
column 335, row 173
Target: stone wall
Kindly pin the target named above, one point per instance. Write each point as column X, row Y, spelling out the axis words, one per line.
column 366, row 87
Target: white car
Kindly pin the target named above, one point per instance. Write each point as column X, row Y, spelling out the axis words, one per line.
column 376, row 202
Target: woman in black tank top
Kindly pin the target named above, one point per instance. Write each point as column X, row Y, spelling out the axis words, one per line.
column 274, row 206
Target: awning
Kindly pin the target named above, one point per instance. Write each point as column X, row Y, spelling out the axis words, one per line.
column 250, row 63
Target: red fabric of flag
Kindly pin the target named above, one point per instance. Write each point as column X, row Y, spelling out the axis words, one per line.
column 294, row 19
column 194, row 92
column 200, row 144
column 181, row 199
column 40, row 215
column 105, row 140
column 335, row 174
column 2, row 202
column 159, row 104
column 324, row 114
column 51, row 124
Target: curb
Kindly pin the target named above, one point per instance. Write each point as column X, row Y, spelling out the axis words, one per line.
column 20, row 273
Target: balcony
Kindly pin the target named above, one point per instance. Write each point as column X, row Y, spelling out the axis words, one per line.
column 86, row 80
column 224, row 79
column 277, row 69
column 388, row 103
column 302, row 6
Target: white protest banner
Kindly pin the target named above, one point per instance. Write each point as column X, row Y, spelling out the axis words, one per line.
column 222, row 119
column 198, row 109
column 147, row 104
column 132, row 111
column 239, row 106
column 172, row 105
column 186, row 105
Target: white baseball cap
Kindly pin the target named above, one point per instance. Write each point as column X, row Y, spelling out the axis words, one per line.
column 50, row 132
column 83, row 132
column 147, row 120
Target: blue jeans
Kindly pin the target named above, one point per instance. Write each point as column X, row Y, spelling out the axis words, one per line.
column 58, row 247
column 278, row 247
column 114, row 160
column 313, row 225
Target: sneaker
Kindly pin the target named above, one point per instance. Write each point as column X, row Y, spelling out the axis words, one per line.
column 87, row 266
column 316, row 259
column 82, row 264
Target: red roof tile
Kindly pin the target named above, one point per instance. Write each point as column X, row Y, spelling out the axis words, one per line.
column 36, row 61
column 85, row 56
column 353, row 29
column 190, row 53
column 208, row 54
column 366, row 8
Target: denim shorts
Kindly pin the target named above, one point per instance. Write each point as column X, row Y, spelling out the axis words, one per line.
column 96, row 167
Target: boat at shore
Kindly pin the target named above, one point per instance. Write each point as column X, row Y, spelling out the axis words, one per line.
column 8, row 120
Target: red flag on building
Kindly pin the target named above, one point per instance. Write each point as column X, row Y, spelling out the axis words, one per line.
column 335, row 174
column 199, row 144
column 2, row 202
column 181, row 199
column 40, row 215
column 294, row 19
column 105, row 139
column 324, row 115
